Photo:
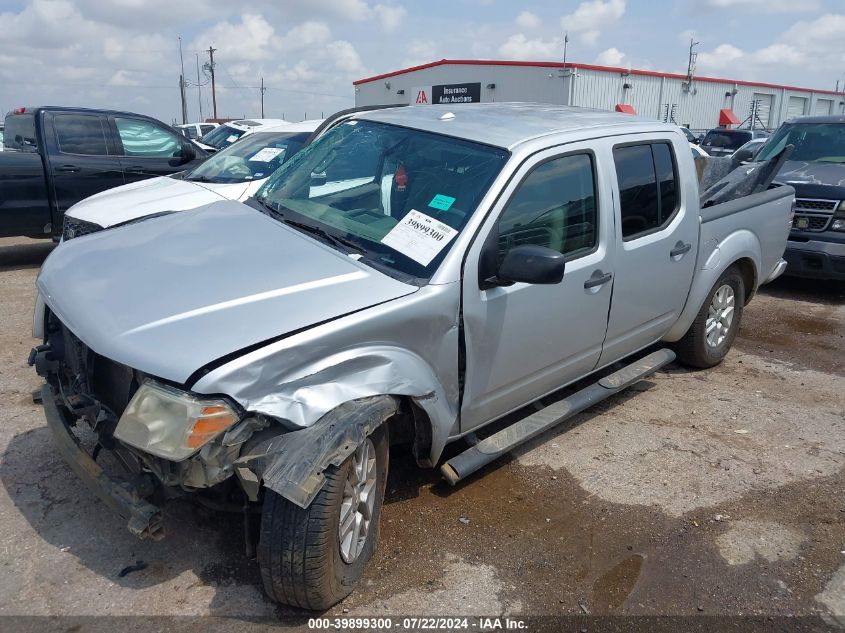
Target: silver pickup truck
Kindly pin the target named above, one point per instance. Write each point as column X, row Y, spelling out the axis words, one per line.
column 411, row 277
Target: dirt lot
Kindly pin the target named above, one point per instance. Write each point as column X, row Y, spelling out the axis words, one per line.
column 716, row 492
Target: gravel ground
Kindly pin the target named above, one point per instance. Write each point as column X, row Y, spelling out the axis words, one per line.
column 714, row 492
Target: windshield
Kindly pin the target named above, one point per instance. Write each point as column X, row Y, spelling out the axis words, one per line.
column 814, row 142
column 727, row 139
column 399, row 196
column 222, row 136
column 254, row 158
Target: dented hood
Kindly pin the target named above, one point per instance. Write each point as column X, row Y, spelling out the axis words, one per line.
column 172, row 294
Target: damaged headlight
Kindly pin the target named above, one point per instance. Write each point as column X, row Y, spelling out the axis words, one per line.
column 171, row 423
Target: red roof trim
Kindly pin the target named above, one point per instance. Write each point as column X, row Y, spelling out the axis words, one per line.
column 645, row 73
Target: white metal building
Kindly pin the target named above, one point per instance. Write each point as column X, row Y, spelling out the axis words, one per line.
column 699, row 105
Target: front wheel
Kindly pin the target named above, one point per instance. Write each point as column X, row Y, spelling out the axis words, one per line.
column 711, row 335
column 312, row 558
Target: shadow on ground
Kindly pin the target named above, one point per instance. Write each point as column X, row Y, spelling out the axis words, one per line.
column 811, row 290
column 25, row 255
column 68, row 516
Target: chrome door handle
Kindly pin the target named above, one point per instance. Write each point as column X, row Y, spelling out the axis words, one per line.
column 69, row 169
column 599, row 280
column 680, row 249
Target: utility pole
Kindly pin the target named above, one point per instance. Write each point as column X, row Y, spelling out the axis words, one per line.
column 263, row 90
column 199, row 86
column 213, row 87
column 182, row 84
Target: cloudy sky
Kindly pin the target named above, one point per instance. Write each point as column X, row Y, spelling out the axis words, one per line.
column 124, row 54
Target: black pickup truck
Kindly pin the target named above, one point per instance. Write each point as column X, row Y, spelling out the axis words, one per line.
column 816, row 170
column 54, row 157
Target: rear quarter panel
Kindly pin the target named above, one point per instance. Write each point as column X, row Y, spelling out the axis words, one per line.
column 753, row 228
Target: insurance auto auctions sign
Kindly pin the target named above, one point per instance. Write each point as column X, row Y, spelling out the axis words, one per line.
column 446, row 94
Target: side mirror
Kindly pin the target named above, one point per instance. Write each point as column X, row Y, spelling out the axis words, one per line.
column 188, row 153
column 743, row 155
column 532, row 264
column 318, row 179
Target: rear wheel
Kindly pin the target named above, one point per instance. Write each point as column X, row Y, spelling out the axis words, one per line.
column 312, row 558
column 711, row 335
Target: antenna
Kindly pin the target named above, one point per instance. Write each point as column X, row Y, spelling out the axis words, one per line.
column 565, row 42
column 693, row 57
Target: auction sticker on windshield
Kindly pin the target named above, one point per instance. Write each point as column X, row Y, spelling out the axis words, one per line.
column 267, row 154
column 419, row 237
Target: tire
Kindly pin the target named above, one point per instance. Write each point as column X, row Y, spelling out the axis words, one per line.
column 299, row 550
column 694, row 349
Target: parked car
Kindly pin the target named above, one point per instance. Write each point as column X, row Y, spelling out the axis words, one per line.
column 816, row 170
column 57, row 156
column 195, row 131
column 227, row 133
column 234, row 173
column 413, row 275
column 749, row 150
column 725, row 141
column 2, row 127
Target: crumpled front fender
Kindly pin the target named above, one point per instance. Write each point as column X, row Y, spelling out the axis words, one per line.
column 294, row 464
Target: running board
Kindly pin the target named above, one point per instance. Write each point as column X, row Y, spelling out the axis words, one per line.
column 493, row 447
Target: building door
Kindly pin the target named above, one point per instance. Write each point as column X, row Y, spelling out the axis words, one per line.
column 823, row 107
column 797, row 107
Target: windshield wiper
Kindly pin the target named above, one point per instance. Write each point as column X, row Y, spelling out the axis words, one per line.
column 344, row 244
column 200, row 179
column 341, row 242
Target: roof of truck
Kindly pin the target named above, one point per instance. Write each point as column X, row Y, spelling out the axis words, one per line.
column 505, row 124
column 827, row 118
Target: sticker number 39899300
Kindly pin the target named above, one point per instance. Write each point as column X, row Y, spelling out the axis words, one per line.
column 419, row 237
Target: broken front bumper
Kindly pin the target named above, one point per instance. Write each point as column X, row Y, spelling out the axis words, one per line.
column 144, row 519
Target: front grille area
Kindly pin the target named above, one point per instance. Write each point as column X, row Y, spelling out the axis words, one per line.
column 811, row 204
column 86, row 380
column 805, row 222
column 73, row 227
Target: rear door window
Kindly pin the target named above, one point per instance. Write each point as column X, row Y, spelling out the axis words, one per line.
column 20, row 133
column 83, row 134
column 726, row 139
column 648, row 187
